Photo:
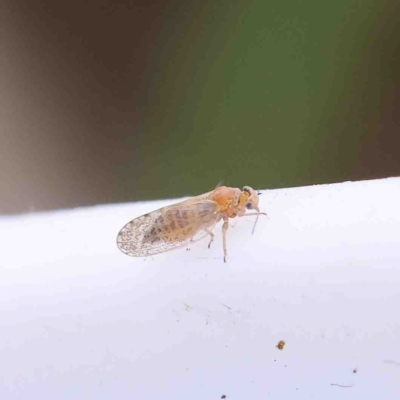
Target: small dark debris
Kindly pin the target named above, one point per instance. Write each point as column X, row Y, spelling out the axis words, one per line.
column 229, row 308
column 223, row 397
column 354, row 370
column 392, row 362
column 342, row 386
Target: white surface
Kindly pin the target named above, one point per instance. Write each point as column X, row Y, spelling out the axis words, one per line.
column 80, row 320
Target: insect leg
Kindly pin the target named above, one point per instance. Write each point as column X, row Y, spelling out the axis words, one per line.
column 224, row 229
column 255, row 223
column 211, row 237
column 249, row 214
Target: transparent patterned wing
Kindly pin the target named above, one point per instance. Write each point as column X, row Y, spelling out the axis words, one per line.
column 168, row 228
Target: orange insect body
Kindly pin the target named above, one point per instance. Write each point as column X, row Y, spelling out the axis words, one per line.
column 177, row 225
column 231, row 201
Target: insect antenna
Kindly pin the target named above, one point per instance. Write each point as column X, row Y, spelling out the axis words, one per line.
column 255, row 223
column 259, row 193
column 219, row 184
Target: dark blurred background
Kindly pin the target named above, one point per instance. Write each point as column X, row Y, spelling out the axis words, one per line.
column 110, row 101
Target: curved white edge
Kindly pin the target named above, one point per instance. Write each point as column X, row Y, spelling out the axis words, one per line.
column 80, row 320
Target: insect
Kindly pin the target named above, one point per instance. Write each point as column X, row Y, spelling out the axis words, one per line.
column 179, row 224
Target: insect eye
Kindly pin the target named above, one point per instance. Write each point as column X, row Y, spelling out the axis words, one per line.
column 247, row 190
column 249, row 206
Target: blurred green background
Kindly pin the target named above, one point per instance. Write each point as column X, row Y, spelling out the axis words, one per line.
column 111, row 101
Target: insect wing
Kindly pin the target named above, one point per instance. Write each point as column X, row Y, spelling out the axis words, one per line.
column 168, row 228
